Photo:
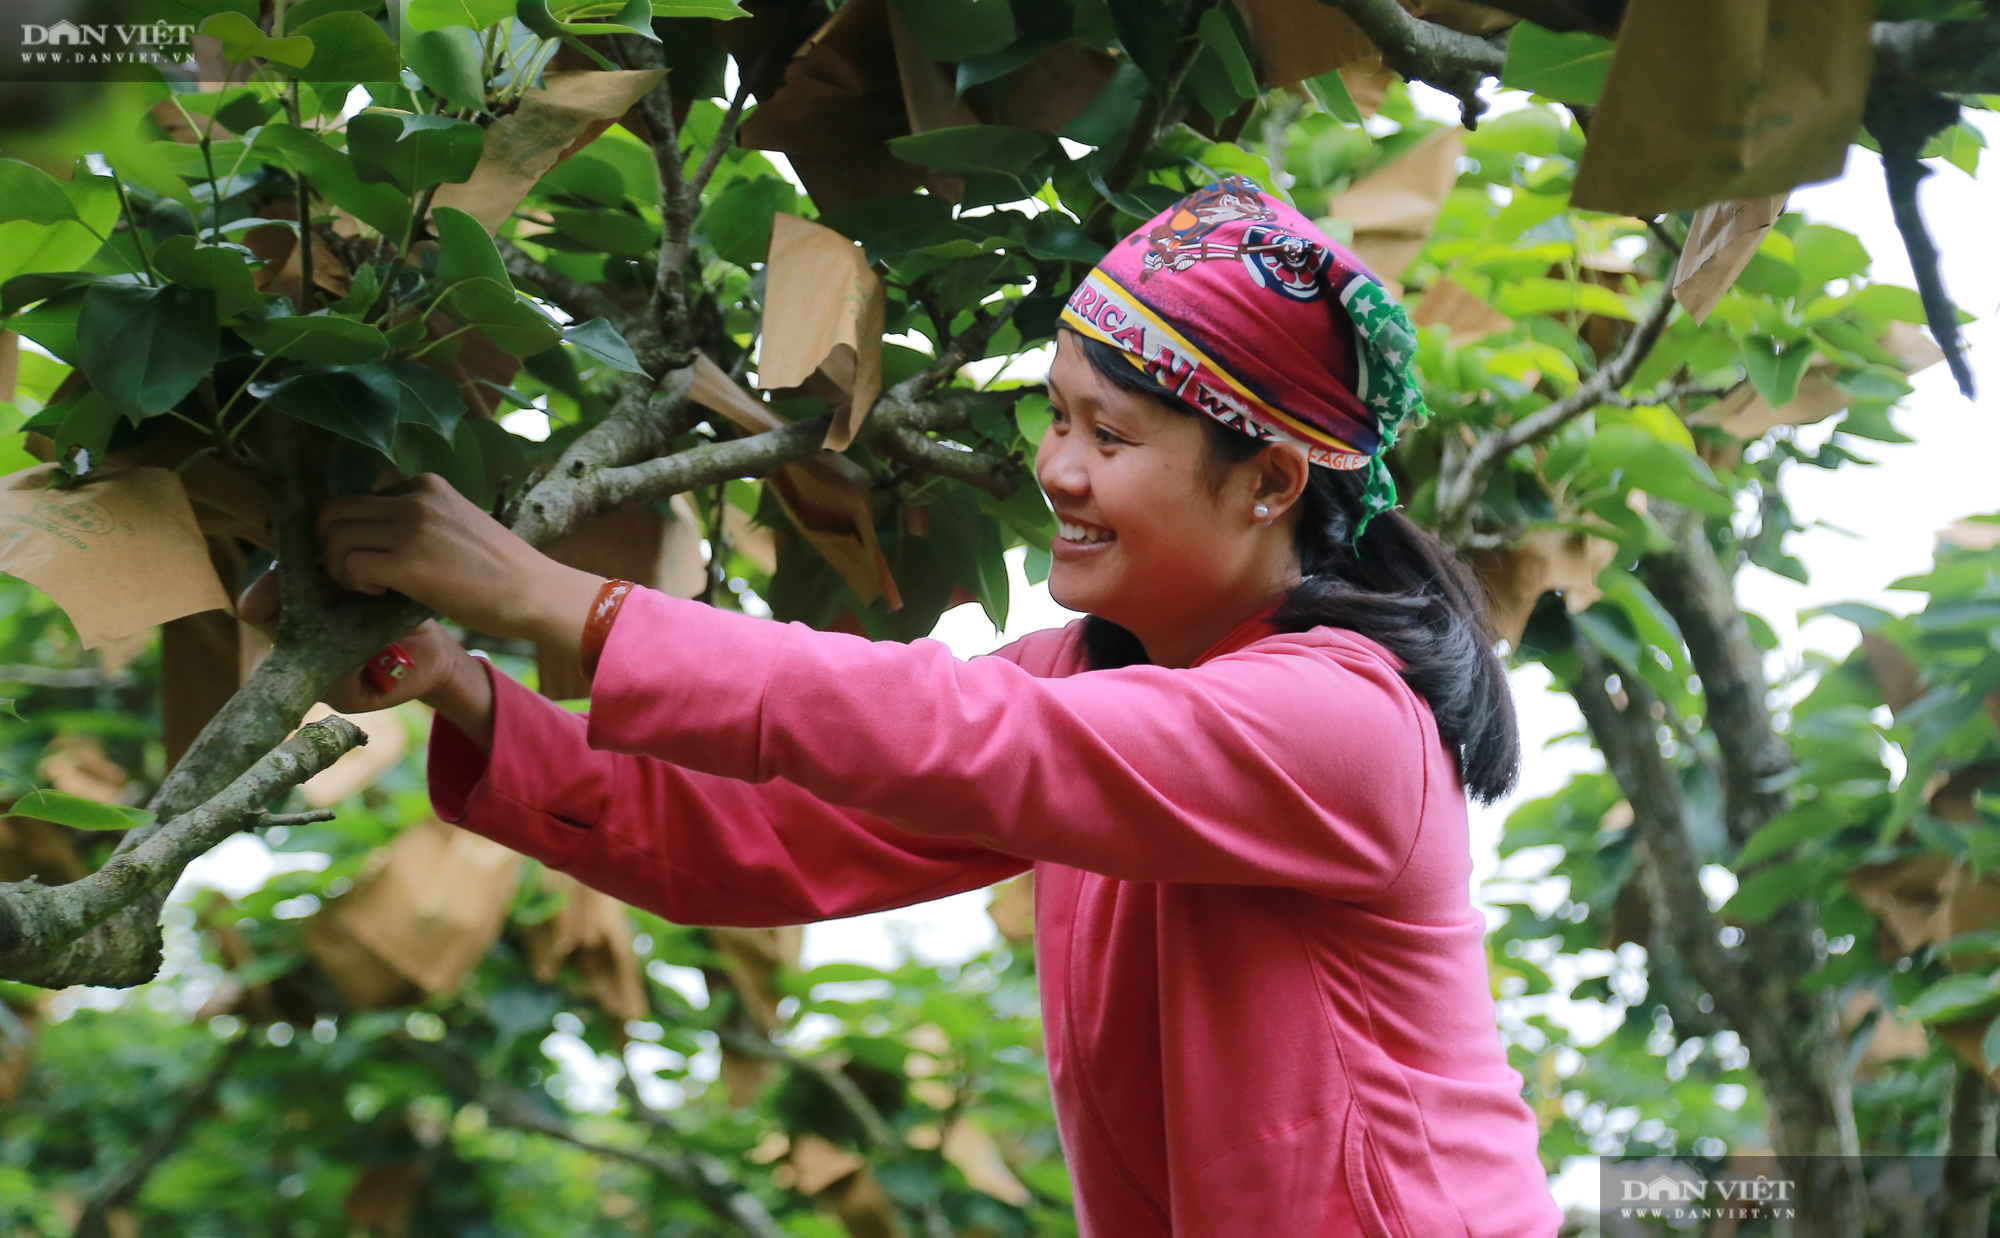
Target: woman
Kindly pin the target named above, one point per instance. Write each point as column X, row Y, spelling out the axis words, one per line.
column 1240, row 783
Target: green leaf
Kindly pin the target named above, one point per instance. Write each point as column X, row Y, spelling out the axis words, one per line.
column 1953, row 998
column 1149, row 41
column 636, row 17
column 222, row 269
column 1822, row 253
column 412, row 151
column 143, row 349
column 360, row 402
column 27, row 192
column 720, row 10
column 737, row 224
column 318, row 337
column 1219, row 36
column 1775, row 370
column 449, row 63
column 242, row 38
column 602, row 229
column 424, row 15
column 52, row 324
column 955, row 30
column 1569, row 68
column 77, row 812
column 1034, row 414
column 464, row 250
column 382, row 207
column 1891, row 302
column 978, row 148
column 1989, row 1046
column 348, row 47
column 601, row 340
column 1330, row 91
column 511, row 323
column 1523, row 297
column 426, row 398
column 1109, row 115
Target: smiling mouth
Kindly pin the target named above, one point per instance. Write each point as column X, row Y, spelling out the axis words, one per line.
column 1084, row 534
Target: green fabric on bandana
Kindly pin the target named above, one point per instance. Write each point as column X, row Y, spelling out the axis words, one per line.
column 1387, row 343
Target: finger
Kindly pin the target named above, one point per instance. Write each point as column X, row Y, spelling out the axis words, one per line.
column 261, row 602
column 372, row 571
column 369, row 508
column 348, row 536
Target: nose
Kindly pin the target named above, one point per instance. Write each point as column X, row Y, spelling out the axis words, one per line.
column 1060, row 466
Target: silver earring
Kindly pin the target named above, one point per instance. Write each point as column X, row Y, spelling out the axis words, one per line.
column 1261, row 511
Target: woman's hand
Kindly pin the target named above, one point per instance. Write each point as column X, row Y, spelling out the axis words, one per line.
column 442, row 674
column 433, row 545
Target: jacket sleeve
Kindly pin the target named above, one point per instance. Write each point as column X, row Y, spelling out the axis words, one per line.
column 694, row 848
column 1301, row 761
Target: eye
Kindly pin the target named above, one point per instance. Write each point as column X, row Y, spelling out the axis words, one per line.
column 1107, row 438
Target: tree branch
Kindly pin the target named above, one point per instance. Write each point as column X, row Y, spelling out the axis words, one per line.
column 1935, row 57
column 1902, row 124
column 1692, row 584
column 44, row 930
column 509, row 1106
column 1426, row 52
column 999, row 476
column 123, row 1184
column 582, row 301
column 1626, row 732
column 874, row 1128
column 1970, row 1170
column 1458, row 490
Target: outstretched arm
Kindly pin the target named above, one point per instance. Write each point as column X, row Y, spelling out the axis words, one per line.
column 694, row 848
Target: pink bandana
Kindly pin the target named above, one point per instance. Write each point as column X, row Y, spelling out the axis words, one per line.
column 1237, row 304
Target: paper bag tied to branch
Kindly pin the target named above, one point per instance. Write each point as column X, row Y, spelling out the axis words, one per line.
column 419, row 919
column 1394, row 209
column 1710, row 100
column 119, row 554
column 551, row 124
column 1469, row 319
column 1514, row 579
column 826, row 497
column 1720, row 243
column 593, row 929
column 822, row 322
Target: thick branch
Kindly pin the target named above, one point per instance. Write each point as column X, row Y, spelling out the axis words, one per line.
column 1902, row 126
column 1971, row 1171
column 1692, row 584
column 124, row 1183
column 1627, row 733
column 1426, row 52
column 1458, row 491
column 43, row 928
column 999, row 476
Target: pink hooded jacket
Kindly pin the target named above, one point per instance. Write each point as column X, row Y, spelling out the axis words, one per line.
column 1263, row 986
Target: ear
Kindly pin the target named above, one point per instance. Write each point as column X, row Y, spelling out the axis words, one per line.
column 1281, row 474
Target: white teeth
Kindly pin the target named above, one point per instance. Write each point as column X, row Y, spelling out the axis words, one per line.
column 1084, row 533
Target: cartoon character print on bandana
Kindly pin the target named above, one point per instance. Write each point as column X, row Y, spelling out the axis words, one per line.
column 1181, row 239
column 1289, row 265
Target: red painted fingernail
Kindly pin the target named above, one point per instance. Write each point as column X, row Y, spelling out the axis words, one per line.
column 387, row 668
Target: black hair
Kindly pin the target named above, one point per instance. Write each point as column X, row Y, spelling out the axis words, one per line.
column 1399, row 587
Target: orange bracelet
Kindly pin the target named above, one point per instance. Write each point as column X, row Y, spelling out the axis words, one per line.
column 597, row 628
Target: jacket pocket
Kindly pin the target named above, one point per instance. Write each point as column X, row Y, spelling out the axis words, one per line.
column 1368, row 1184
